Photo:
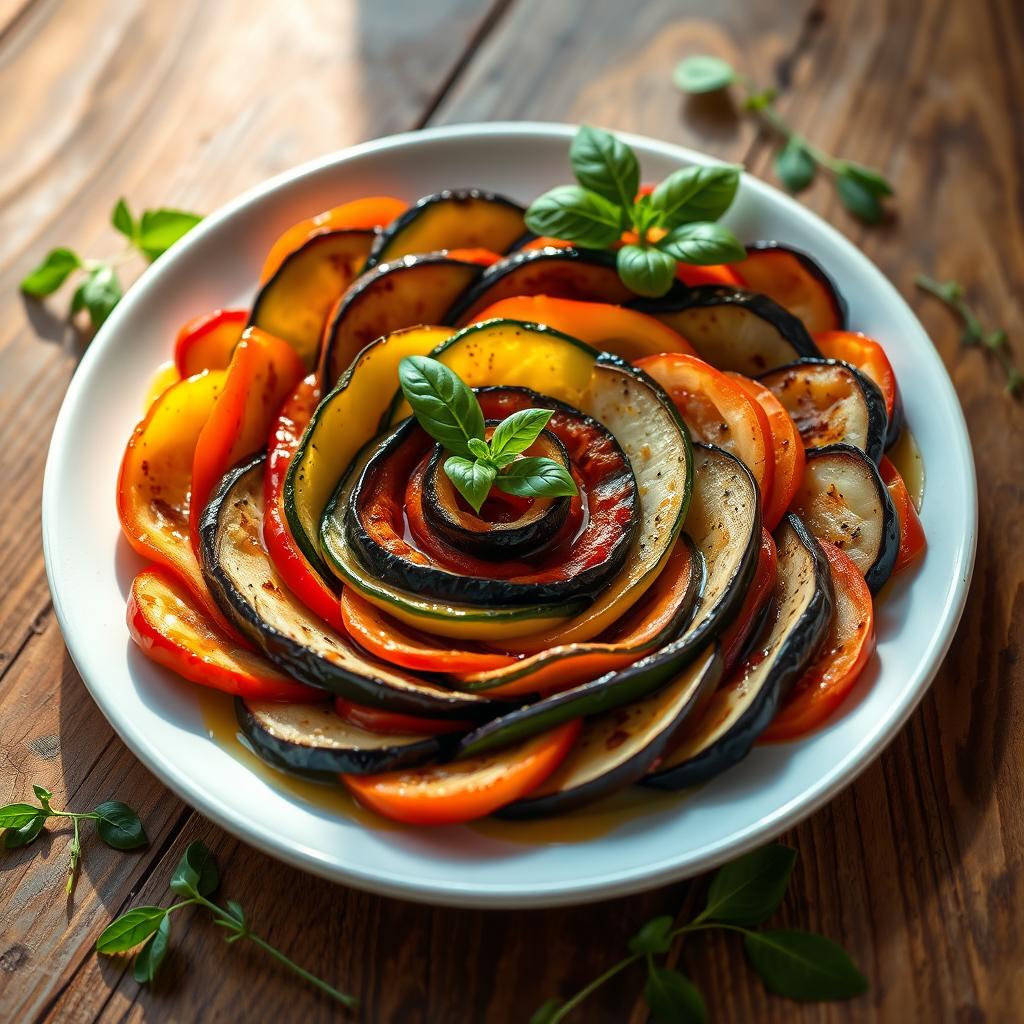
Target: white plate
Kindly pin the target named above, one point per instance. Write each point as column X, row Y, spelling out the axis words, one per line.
column 653, row 839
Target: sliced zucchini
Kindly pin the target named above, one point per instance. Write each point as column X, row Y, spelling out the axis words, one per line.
column 313, row 739
column 619, row 747
column 403, row 293
column 733, row 329
column 295, row 302
column 844, row 501
column 742, row 709
column 247, row 588
column 453, row 219
column 832, row 402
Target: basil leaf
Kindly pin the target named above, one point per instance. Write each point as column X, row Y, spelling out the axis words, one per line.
column 869, row 178
column 51, row 273
column 795, row 166
column 122, row 219
column 604, row 164
column 577, row 215
column 703, row 74
column 749, row 889
column 130, row 929
column 196, row 872
column 444, row 406
column 859, row 200
column 536, row 478
column 472, row 479
column 803, row 965
column 695, row 193
column 119, row 826
column 673, row 998
column 27, row 833
column 149, row 958
column 158, row 230
column 517, row 432
column 478, row 448
column 646, row 270
column 546, row 1014
column 99, row 293
column 653, row 937
column 16, row 815
column 702, row 244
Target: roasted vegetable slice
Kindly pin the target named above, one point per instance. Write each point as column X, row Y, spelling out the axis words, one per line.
column 732, row 329
column 844, row 502
column 912, row 539
column 831, row 402
column 740, row 710
column 735, row 642
column 206, row 342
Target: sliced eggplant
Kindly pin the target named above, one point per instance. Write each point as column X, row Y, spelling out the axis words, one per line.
column 453, row 219
column 725, row 523
column 796, row 282
column 313, row 739
column 406, row 292
column 619, row 747
column 733, row 329
column 742, row 709
column 844, row 501
column 831, row 403
column 295, row 302
column 247, row 588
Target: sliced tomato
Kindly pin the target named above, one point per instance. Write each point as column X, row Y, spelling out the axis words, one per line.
column 360, row 214
column 389, row 722
column 736, row 638
column 299, row 576
column 482, row 257
column 912, row 538
column 717, row 411
column 170, row 627
column 845, row 652
column 206, row 342
column 867, row 355
column 787, row 451
column 718, row 273
column 263, row 371
column 625, row 332
column 545, row 242
column 445, row 794
column 795, row 282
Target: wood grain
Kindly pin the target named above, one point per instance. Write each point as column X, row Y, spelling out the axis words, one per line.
column 916, row 868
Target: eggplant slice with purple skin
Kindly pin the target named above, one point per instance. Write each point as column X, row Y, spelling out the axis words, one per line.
column 742, row 709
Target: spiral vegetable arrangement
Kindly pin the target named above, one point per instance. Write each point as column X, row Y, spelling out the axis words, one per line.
column 480, row 533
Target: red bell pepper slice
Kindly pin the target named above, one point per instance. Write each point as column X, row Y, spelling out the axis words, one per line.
column 206, row 342
column 912, row 538
column 390, row 722
column 762, row 587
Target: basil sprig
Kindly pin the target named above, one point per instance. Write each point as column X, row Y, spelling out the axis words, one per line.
column 449, row 412
column 595, row 213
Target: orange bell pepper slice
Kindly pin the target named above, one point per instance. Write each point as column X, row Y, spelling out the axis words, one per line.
column 457, row 791
column 262, row 373
column 206, row 342
column 867, row 355
column 170, row 628
column 390, row 722
column 912, row 538
column 360, row 214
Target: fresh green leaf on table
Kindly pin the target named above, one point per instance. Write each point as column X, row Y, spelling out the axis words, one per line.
column 703, row 73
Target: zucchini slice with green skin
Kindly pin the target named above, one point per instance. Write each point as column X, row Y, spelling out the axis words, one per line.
column 831, row 403
column 453, row 219
column 247, row 588
column 618, row 748
column 313, row 740
column 733, row 329
column 294, row 304
column 844, row 501
column 742, row 709
column 725, row 523
column 403, row 293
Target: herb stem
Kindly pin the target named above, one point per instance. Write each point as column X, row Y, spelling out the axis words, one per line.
column 566, row 1008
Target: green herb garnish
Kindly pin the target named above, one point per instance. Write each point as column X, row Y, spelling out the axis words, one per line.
column 861, row 189
column 449, row 412
column 195, row 879
column 100, row 289
column 674, row 224
column 116, row 823
column 742, row 895
column 974, row 334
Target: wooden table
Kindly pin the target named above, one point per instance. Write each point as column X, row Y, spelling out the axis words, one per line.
column 916, row 868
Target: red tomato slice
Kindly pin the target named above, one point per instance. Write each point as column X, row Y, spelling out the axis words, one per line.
column 736, row 637
column 866, row 354
column 482, row 257
column 445, row 794
column 719, row 273
column 388, row 722
column 168, row 626
column 717, row 411
column 912, row 538
column 787, row 450
column 845, row 652
column 796, row 283
column 206, row 342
